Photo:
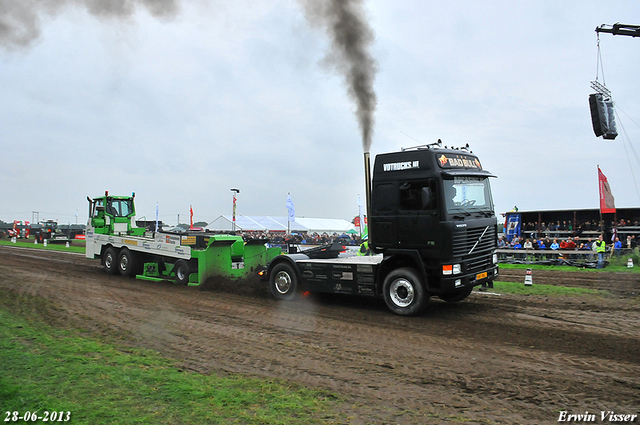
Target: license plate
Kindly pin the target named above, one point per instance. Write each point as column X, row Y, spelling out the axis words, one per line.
column 481, row 276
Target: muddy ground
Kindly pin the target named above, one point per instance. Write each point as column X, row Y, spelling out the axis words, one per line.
column 490, row 359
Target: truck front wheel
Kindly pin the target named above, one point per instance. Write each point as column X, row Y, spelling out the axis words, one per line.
column 403, row 292
column 283, row 282
column 109, row 260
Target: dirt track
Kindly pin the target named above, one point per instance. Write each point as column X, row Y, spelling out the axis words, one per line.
column 490, row 359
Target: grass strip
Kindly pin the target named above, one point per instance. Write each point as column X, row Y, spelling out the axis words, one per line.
column 75, row 246
column 541, row 289
column 49, row 369
column 615, row 265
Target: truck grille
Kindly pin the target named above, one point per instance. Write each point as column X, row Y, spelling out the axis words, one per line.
column 466, row 239
column 479, row 263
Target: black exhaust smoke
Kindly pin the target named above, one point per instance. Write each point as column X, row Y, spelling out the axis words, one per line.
column 351, row 37
column 343, row 20
column 20, row 19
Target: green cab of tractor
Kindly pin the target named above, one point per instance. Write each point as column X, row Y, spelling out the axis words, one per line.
column 112, row 215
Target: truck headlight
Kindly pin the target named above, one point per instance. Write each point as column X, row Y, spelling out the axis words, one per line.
column 450, row 269
column 495, row 258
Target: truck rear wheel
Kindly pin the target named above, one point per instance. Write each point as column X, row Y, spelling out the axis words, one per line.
column 454, row 297
column 109, row 260
column 403, row 292
column 283, row 282
column 127, row 263
column 181, row 269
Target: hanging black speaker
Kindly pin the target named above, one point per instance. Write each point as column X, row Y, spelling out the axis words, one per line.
column 612, row 131
column 598, row 114
column 602, row 116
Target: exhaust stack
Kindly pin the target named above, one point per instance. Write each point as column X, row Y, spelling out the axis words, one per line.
column 367, row 186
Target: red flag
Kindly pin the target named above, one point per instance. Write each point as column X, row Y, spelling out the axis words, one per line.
column 191, row 216
column 607, row 204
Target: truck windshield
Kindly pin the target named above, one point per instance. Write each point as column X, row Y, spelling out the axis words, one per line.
column 120, row 207
column 468, row 194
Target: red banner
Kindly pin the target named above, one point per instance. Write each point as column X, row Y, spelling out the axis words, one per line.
column 607, row 203
column 356, row 221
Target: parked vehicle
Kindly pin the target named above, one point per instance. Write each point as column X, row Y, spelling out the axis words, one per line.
column 48, row 230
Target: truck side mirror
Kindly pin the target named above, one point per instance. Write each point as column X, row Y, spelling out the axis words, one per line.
column 426, row 197
column 99, row 211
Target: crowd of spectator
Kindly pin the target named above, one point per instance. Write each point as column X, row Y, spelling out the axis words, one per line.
column 562, row 228
column 281, row 238
column 548, row 247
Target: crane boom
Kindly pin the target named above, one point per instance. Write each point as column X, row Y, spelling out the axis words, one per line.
column 620, row 29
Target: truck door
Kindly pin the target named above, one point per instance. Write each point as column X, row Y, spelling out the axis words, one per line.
column 418, row 215
column 383, row 223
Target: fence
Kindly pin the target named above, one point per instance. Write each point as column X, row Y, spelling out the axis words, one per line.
column 580, row 255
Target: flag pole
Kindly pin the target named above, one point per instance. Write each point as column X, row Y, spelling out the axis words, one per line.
column 600, row 203
column 288, row 216
column 291, row 215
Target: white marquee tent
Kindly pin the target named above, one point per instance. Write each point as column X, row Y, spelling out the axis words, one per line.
column 279, row 224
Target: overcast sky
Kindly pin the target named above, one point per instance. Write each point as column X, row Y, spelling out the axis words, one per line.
column 182, row 107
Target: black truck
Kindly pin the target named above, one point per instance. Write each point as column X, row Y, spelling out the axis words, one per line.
column 432, row 230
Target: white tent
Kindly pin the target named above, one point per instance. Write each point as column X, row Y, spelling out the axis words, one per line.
column 279, row 224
